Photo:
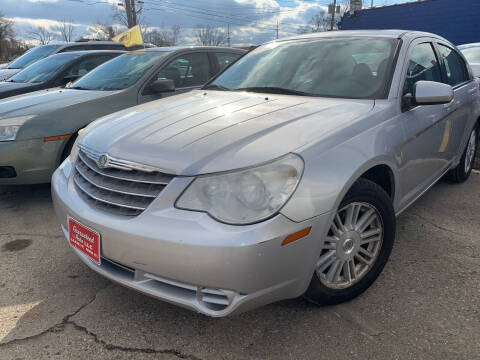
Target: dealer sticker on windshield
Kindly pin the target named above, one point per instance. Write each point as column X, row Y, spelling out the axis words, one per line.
column 84, row 239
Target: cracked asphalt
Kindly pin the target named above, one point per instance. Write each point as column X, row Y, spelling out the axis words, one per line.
column 425, row 305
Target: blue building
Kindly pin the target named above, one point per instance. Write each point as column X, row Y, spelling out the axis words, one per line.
column 456, row 20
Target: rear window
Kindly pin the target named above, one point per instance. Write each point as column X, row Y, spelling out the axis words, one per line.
column 33, row 55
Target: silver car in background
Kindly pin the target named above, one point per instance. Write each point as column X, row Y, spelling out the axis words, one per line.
column 283, row 176
column 472, row 54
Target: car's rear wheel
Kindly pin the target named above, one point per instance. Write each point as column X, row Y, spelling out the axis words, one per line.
column 463, row 170
column 357, row 247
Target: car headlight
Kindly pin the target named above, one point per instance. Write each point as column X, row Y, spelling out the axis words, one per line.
column 8, row 132
column 244, row 196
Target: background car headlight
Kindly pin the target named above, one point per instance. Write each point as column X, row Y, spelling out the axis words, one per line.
column 244, row 196
column 8, row 132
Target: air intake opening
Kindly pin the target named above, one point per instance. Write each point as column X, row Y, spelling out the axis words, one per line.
column 7, row 172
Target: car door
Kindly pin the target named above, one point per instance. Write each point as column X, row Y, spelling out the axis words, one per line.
column 457, row 75
column 188, row 71
column 421, row 154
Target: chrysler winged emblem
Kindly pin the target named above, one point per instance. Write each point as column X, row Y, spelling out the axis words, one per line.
column 102, row 161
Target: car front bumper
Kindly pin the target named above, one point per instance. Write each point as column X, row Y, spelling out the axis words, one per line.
column 189, row 259
column 33, row 160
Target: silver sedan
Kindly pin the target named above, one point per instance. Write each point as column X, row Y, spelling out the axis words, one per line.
column 282, row 177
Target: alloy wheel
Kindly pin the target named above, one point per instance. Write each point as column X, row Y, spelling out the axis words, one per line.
column 471, row 147
column 352, row 246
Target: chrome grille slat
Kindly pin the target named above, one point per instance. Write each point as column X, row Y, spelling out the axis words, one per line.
column 124, row 192
column 121, row 188
column 90, row 193
column 148, row 178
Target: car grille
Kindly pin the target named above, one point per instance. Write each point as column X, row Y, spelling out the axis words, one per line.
column 121, row 189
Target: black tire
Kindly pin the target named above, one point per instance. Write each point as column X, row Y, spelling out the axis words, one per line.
column 459, row 175
column 68, row 148
column 363, row 191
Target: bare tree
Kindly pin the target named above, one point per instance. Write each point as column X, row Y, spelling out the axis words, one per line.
column 162, row 37
column 104, row 31
column 120, row 15
column 210, row 36
column 319, row 22
column 10, row 47
column 6, row 27
column 66, row 31
column 41, row 34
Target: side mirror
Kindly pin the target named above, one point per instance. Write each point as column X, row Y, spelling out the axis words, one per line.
column 162, row 85
column 432, row 93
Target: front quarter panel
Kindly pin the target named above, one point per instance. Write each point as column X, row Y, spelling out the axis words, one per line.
column 332, row 168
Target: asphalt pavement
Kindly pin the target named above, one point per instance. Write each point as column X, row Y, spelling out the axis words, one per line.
column 425, row 305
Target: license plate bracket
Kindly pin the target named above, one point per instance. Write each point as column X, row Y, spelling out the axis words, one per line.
column 84, row 239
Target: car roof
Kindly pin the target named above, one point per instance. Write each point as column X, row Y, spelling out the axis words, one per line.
column 468, row 45
column 181, row 48
column 90, row 52
column 93, row 42
column 393, row 33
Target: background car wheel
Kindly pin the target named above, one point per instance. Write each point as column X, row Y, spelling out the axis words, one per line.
column 463, row 170
column 68, row 148
column 357, row 247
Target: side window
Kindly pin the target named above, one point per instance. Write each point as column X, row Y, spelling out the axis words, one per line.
column 224, row 59
column 454, row 66
column 85, row 65
column 187, row 70
column 423, row 65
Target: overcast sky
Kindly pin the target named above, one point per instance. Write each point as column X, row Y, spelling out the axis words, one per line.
column 251, row 21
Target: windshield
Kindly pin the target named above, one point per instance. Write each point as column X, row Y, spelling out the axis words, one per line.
column 44, row 70
column 472, row 54
column 329, row 67
column 119, row 73
column 33, row 55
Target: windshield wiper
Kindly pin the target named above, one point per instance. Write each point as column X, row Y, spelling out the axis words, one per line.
column 77, row 88
column 215, row 87
column 274, row 90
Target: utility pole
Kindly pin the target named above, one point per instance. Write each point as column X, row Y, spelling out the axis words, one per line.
column 228, row 35
column 371, row 4
column 128, row 11
column 332, row 22
column 131, row 12
column 134, row 13
column 277, row 29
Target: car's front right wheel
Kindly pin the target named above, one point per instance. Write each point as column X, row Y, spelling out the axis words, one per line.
column 357, row 246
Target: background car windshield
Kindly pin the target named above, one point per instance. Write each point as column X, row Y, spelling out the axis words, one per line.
column 119, row 73
column 472, row 54
column 341, row 67
column 33, row 55
column 44, row 70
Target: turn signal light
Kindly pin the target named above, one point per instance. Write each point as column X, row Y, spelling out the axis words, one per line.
column 57, row 138
column 296, row 236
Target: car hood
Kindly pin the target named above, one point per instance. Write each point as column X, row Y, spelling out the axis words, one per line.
column 44, row 101
column 7, row 73
column 202, row 132
column 8, row 86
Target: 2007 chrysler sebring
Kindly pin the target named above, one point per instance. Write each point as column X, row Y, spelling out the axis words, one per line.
column 282, row 177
